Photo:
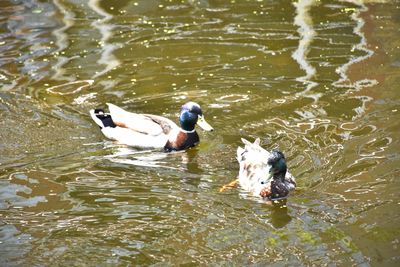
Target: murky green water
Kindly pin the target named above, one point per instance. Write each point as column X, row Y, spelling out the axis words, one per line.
column 318, row 79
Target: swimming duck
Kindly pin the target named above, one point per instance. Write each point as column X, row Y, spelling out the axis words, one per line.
column 263, row 173
column 152, row 131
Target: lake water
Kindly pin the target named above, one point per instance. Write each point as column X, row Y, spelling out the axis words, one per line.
column 317, row 79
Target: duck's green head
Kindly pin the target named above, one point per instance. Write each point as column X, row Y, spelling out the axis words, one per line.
column 191, row 114
column 277, row 163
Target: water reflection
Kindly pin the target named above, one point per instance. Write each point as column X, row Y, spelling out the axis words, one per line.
column 307, row 34
column 279, row 214
column 343, row 70
column 185, row 161
column 144, row 158
column 344, row 80
column 63, row 42
column 14, row 245
column 69, row 88
column 106, row 30
column 261, row 69
column 28, row 23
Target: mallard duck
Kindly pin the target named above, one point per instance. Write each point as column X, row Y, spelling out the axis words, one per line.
column 264, row 173
column 151, row 131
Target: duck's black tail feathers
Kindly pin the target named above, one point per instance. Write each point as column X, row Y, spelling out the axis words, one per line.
column 101, row 118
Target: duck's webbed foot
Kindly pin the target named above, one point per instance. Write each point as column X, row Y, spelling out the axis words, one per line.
column 230, row 185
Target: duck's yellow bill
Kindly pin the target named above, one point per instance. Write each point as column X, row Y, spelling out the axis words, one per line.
column 204, row 125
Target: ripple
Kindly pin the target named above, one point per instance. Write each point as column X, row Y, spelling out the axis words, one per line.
column 10, row 199
column 67, row 89
column 146, row 158
column 107, row 57
column 14, row 245
column 307, row 33
column 62, row 41
column 259, row 69
column 233, row 98
column 361, row 46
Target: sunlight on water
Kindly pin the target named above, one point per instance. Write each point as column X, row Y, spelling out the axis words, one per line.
column 62, row 41
column 344, row 80
column 107, row 58
column 63, row 89
column 307, row 34
column 146, row 158
column 315, row 79
column 362, row 46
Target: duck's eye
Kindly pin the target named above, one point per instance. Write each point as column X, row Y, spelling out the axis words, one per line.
column 262, row 182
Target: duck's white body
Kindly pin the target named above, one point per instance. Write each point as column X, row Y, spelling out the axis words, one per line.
column 138, row 130
column 133, row 138
column 254, row 169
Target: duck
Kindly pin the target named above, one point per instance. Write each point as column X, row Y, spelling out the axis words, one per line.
column 151, row 131
column 262, row 173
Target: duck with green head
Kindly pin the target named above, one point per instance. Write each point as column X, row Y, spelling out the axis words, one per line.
column 152, row 131
column 264, row 173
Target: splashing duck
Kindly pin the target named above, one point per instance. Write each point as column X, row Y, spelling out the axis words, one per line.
column 263, row 173
column 152, row 131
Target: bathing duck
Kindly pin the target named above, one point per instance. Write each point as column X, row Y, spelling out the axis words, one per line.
column 263, row 173
column 151, row 131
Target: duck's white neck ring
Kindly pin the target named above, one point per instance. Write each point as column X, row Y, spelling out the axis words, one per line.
column 192, row 131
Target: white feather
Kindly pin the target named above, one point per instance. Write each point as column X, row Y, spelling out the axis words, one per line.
column 134, row 121
column 257, row 176
column 132, row 138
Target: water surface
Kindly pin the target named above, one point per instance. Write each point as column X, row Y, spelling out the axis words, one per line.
column 317, row 79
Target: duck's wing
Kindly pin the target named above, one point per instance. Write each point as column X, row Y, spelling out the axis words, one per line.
column 166, row 124
column 253, row 167
column 252, row 152
column 142, row 123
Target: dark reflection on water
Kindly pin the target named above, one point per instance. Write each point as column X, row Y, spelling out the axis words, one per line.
column 316, row 79
column 279, row 215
